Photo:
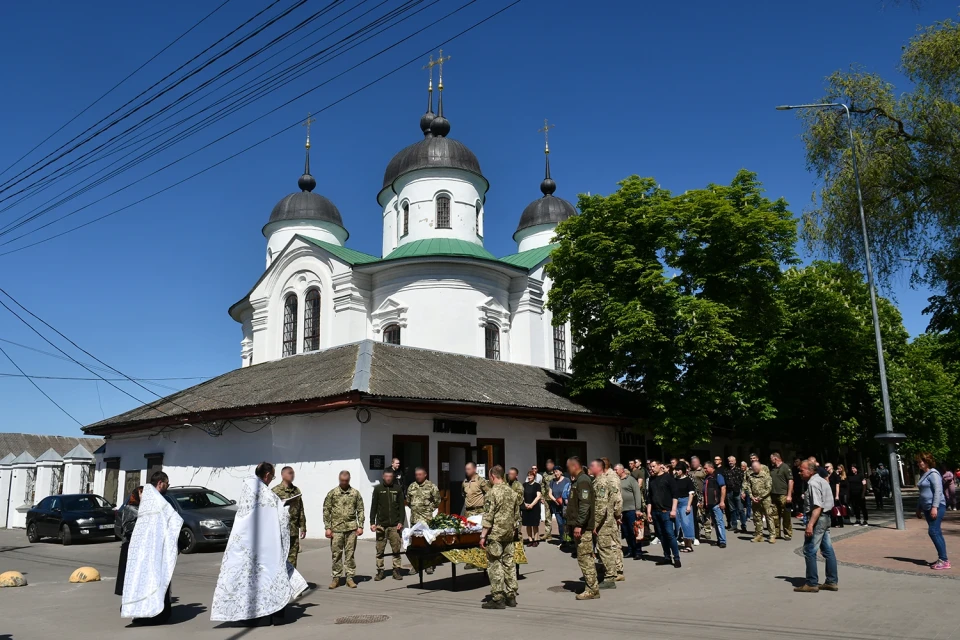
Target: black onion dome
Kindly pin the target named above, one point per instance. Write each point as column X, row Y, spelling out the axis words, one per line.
column 435, row 152
column 546, row 210
column 305, row 205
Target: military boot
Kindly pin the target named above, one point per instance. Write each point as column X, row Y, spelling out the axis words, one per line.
column 608, row 584
column 757, row 539
column 773, row 539
column 511, row 601
column 493, row 604
column 379, row 575
column 588, row 595
column 397, row 575
column 335, row 583
column 351, row 583
column 620, row 577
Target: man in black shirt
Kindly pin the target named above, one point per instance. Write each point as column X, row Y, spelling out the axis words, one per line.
column 662, row 512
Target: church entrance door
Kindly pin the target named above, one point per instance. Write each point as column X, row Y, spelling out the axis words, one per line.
column 452, row 457
column 413, row 452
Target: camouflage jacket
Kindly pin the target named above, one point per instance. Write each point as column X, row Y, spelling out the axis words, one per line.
column 613, row 481
column 697, row 477
column 343, row 510
column 501, row 512
column 423, row 499
column 758, row 485
column 603, row 501
column 545, row 481
column 473, row 492
column 298, row 519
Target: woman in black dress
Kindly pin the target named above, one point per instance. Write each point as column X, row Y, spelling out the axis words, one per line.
column 530, row 509
column 128, row 519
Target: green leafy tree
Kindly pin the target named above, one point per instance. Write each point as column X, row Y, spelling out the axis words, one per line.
column 674, row 296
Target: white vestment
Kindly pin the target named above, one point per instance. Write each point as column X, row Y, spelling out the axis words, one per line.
column 152, row 556
column 255, row 578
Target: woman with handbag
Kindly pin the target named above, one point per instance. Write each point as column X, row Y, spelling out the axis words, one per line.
column 932, row 506
column 842, row 496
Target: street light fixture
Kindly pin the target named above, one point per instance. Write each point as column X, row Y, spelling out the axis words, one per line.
column 891, row 438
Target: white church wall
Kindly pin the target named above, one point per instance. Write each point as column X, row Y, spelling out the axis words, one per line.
column 535, row 237
column 280, row 233
column 443, row 306
column 420, row 189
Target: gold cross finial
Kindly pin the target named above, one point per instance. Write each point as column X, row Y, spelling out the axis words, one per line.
column 439, row 63
column 430, row 65
column 545, row 130
column 310, row 120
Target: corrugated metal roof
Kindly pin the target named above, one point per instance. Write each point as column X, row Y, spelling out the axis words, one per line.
column 376, row 369
column 17, row 443
column 350, row 256
column 440, row 247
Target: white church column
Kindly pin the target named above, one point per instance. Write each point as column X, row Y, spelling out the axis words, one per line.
column 21, row 489
column 6, row 478
column 78, row 465
column 49, row 475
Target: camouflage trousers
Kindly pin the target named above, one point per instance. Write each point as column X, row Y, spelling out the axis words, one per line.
column 343, row 546
column 765, row 508
column 548, row 522
column 385, row 534
column 294, row 549
column 703, row 518
column 585, row 560
column 609, row 550
column 782, row 517
column 501, row 569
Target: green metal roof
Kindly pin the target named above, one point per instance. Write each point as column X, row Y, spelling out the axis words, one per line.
column 531, row 258
column 349, row 256
column 440, row 247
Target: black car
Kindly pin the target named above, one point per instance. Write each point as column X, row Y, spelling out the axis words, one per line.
column 207, row 516
column 70, row 518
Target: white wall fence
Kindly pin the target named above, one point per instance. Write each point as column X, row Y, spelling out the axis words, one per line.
column 25, row 481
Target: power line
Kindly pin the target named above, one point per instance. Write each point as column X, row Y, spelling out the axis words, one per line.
column 269, row 137
column 114, row 87
column 34, row 383
column 265, row 87
column 19, row 375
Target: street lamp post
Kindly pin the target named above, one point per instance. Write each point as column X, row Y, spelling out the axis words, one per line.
column 889, row 436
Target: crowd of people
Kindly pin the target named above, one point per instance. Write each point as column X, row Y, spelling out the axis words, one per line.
column 604, row 514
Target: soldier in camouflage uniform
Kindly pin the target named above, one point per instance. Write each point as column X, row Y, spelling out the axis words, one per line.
column 580, row 516
column 298, row 519
column 759, row 484
column 702, row 524
column 607, row 533
column 613, row 482
column 474, row 488
column 501, row 512
column 547, row 499
column 423, row 497
column 343, row 520
column 513, row 480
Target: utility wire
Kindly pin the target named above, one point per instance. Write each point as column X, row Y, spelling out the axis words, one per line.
column 114, row 87
column 252, row 96
column 34, row 383
column 97, row 379
column 43, row 162
column 271, row 136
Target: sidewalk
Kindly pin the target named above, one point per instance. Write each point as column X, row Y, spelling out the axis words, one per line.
column 883, row 548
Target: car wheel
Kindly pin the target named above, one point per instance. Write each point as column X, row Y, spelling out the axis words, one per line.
column 188, row 541
column 32, row 534
column 66, row 538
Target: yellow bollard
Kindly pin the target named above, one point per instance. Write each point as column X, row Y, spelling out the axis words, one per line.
column 85, row 574
column 12, row 579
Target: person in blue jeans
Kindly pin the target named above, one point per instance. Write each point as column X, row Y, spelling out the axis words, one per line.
column 714, row 499
column 932, row 506
column 662, row 511
column 818, row 502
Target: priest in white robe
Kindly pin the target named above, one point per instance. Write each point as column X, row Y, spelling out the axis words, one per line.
column 256, row 582
column 152, row 556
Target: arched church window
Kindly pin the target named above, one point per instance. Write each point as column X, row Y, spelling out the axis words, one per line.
column 491, row 335
column 560, row 348
column 443, row 212
column 406, row 219
column 290, row 325
column 311, row 321
column 391, row 334
column 479, row 228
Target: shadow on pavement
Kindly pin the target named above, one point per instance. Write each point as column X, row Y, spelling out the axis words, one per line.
column 184, row 612
column 470, row 580
column 919, row 563
column 796, row 582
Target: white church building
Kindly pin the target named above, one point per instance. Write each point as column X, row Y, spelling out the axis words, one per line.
column 436, row 352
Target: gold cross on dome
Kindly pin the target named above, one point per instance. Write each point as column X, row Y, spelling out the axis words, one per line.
column 545, row 130
column 439, row 62
column 310, row 120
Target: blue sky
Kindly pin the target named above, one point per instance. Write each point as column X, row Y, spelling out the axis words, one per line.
column 683, row 92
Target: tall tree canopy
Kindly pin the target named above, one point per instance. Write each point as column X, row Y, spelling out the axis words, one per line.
column 908, row 144
column 675, row 297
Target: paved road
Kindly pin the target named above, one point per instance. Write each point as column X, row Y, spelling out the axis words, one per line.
column 742, row 592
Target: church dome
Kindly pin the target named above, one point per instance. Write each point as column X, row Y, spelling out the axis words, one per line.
column 306, row 205
column 433, row 152
column 546, row 210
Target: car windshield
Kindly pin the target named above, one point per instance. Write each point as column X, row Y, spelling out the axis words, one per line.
column 84, row 503
column 190, row 500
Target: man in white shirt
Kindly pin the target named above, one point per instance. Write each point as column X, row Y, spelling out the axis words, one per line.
column 818, row 502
